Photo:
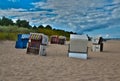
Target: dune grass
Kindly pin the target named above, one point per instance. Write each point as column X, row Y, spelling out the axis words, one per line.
column 10, row 32
column 8, row 36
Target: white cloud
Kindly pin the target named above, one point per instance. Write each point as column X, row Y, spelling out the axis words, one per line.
column 38, row 4
column 14, row 0
column 75, row 15
column 81, row 15
column 107, row 35
column 16, row 10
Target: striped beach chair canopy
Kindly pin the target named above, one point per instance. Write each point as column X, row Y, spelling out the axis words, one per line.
column 36, row 36
column 39, row 36
column 54, row 36
column 62, row 37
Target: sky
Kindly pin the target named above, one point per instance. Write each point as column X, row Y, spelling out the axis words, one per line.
column 92, row 17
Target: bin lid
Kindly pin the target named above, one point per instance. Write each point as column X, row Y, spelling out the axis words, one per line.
column 25, row 36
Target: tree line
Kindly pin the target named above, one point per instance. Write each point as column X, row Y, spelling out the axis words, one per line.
column 20, row 23
column 24, row 26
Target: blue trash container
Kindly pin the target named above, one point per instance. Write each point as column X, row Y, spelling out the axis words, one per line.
column 22, row 41
column 19, row 44
column 25, row 41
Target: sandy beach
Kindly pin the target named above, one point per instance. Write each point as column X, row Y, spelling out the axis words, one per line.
column 16, row 65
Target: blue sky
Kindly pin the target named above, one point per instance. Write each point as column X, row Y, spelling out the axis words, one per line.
column 92, row 17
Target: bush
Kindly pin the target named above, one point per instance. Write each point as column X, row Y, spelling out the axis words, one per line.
column 8, row 36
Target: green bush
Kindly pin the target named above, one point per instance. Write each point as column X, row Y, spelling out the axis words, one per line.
column 10, row 32
column 14, row 29
column 8, row 36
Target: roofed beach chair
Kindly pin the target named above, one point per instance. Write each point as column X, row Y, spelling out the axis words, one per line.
column 78, row 46
column 97, row 44
column 37, row 44
column 62, row 40
column 54, row 39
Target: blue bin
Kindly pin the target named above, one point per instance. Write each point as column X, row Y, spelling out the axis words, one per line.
column 22, row 41
column 19, row 44
column 19, row 37
column 25, row 41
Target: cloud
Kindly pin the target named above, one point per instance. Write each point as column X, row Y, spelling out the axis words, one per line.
column 74, row 15
column 107, row 35
column 14, row 0
column 77, row 12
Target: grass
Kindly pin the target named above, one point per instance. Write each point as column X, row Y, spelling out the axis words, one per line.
column 14, row 29
column 10, row 32
column 8, row 36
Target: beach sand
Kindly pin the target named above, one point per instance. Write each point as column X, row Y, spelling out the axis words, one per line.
column 16, row 65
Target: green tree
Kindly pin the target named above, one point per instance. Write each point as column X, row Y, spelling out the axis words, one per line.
column 48, row 27
column 34, row 27
column 5, row 21
column 22, row 23
column 0, row 21
column 18, row 23
column 41, row 26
